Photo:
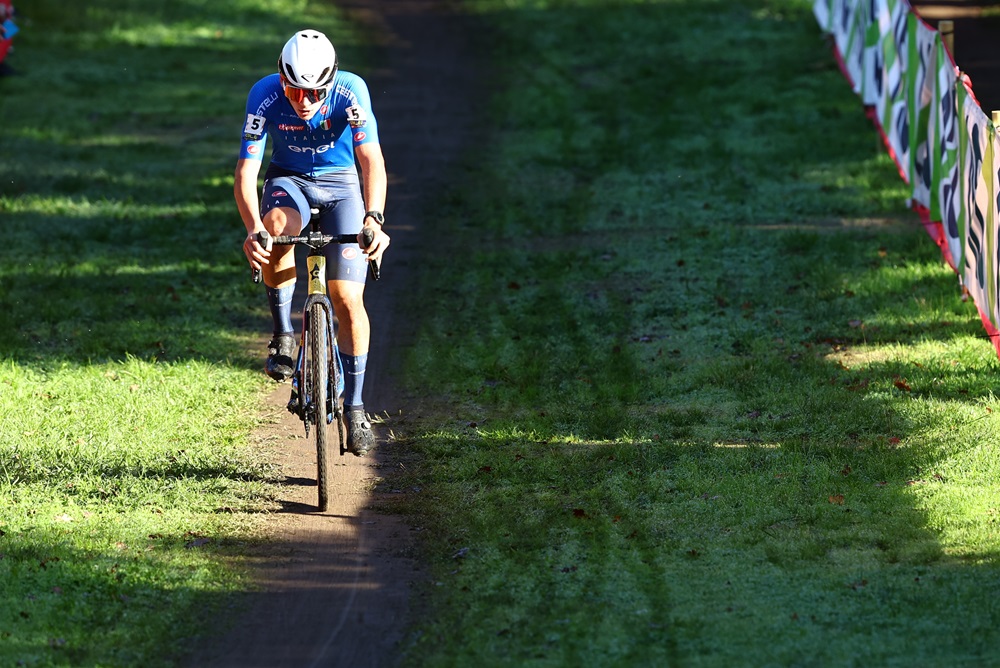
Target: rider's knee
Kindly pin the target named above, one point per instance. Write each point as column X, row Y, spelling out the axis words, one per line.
column 282, row 220
column 347, row 295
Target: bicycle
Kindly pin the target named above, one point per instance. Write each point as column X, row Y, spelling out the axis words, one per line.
column 317, row 377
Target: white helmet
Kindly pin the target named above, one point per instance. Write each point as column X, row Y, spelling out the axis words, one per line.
column 308, row 60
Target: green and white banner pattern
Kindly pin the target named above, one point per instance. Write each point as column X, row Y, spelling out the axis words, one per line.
column 944, row 145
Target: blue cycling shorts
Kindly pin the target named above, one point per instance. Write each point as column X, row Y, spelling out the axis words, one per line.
column 341, row 211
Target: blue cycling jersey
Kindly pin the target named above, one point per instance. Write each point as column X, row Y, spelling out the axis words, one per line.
column 323, row 144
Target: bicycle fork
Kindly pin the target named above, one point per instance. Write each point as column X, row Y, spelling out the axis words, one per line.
column 302, row 392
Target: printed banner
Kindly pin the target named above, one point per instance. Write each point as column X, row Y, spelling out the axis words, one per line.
column 891, row 107
column 942, row 142
column 822, row 12
column 921, row 86
column 977, row 154
column 947, row 206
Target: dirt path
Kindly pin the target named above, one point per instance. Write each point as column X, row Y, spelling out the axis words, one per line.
column 335, row 586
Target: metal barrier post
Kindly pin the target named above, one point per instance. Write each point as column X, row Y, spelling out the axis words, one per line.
column 947, row 30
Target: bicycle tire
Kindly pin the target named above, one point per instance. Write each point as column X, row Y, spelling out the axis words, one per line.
column 319, row 370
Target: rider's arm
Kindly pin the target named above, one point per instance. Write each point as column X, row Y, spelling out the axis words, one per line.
column 373, row 176
column 248, row 204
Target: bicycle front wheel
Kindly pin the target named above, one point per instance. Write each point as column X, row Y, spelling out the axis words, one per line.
column 319, row 370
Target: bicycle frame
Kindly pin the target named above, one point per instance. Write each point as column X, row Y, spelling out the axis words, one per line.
column 302, row 396
column 306, row 392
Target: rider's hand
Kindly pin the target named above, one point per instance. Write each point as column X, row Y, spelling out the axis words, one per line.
column 380, row 241
column 257, row 255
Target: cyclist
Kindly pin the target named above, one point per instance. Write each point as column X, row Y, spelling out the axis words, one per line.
column 323, row 132
column 7, row 31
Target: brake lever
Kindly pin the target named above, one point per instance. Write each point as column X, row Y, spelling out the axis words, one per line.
column 368, row 237
column 262, row 238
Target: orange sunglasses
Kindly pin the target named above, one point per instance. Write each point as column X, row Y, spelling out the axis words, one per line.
column 299, row 95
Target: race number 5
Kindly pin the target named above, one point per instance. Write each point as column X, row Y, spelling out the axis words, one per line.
column 254, row 127
column 356, row 116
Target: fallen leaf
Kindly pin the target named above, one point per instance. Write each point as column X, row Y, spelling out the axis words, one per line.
column 846, row 471
column 837, row 499
column 579, row 512
column 901, row 384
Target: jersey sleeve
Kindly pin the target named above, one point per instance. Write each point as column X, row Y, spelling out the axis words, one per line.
column 255, row 123
column 364, row 127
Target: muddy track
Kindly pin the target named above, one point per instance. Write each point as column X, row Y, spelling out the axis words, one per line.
column 334, row 588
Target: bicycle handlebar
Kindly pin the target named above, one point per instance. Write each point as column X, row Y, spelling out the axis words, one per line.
column 317, row 241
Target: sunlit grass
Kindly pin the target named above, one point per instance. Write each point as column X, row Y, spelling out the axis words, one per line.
column 129, row 484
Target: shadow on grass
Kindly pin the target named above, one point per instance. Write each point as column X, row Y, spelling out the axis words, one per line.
column 160, row 583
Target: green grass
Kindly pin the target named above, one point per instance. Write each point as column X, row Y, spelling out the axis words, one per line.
column 710, row 396
column 700, row 392
column 129, row 485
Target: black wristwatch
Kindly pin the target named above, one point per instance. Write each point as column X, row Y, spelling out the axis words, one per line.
column 377, row 215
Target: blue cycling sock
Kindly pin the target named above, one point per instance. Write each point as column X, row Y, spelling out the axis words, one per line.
column 280, row 301
column 354, row 378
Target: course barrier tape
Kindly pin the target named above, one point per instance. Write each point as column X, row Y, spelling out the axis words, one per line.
column 944, row 145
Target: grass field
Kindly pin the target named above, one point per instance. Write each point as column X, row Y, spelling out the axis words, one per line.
column 700, row 393
column 714, row 398
column 128, row 389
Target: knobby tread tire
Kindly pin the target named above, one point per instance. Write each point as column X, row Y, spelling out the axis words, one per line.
column 319, row 369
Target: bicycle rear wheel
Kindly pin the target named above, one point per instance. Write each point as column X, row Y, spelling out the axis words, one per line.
column 319, row 370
